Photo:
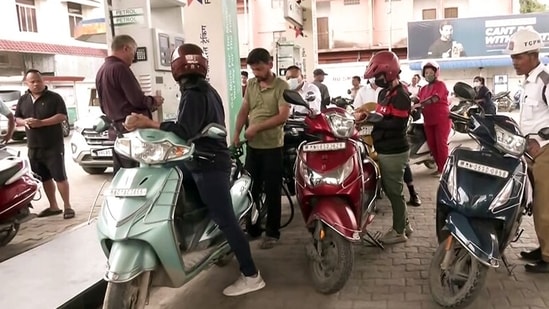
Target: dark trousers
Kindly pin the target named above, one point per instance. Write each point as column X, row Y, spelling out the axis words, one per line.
column 119, row 162
column 214, row 188
column 265, row 167
column 408, row 174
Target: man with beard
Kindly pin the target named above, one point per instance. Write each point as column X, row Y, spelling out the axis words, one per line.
column 265, row 109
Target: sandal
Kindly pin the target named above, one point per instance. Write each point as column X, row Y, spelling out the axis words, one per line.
column 69, row 213
column 49, row 212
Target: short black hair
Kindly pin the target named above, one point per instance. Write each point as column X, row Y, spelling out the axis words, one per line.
column 32, row 71
column 357, row 78
column 258, row 55
column 417, row 75
column 244, row 73
column 480, row 79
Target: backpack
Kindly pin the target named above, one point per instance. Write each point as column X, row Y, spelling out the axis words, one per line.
column 544, row 76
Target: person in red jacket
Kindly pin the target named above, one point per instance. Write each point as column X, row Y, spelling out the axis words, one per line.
column 436, row 115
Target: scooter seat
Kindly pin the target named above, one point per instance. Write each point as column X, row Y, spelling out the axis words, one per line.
column 8, row 168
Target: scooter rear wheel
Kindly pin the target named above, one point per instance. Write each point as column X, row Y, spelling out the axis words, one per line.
column 128, row 295
column 333, row 269
column 8, row 234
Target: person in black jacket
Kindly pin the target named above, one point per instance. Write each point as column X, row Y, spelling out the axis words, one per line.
column 199, row 106
column 484, row 96
column 390, row 140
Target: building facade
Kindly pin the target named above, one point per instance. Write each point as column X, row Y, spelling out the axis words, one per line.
column 41, row 34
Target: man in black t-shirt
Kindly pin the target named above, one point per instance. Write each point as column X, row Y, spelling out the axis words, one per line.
column 445, row 46
column 42, row 111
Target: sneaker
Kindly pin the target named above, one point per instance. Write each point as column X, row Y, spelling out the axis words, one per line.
column 408, row 229
column 244, row 285
column 414, row 200
column 392, row 237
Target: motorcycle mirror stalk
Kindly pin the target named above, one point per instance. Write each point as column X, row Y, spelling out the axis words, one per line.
column 212, row 130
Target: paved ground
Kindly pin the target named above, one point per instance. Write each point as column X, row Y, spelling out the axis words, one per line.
column 394, row 278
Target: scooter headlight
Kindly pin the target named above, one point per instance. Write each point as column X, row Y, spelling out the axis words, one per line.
column 342, row 125
column 333, row 177
column 151, row 152
column 508, row 142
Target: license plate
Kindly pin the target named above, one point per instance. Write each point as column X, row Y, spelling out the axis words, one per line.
column 128, row 192
column 484, row 169
column 103, row 153
column 324, row 147
column 365, row 130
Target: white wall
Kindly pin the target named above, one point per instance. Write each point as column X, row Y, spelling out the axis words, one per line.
column 67, row 65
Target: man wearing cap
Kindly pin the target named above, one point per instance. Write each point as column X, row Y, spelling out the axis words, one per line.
column 318, row 79
column 524, row 47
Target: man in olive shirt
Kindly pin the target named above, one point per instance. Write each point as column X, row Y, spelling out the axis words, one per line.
column 267, row 112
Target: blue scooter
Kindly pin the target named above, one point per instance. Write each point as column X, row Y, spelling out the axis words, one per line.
column 482, row 196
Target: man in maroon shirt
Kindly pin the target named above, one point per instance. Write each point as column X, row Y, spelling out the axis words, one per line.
column 119, row 92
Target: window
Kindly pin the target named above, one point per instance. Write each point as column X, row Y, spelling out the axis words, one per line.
column 351, row 2
column 429, row 14
column 75, row 15
column 26, row 15
column 451, row 13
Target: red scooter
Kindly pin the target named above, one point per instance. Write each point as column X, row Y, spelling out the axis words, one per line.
column 18, row 187
column 336, row 187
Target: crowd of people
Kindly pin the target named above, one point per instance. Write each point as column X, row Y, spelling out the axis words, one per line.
column 261, row 118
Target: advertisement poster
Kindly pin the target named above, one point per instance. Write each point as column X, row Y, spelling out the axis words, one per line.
column 470, row 37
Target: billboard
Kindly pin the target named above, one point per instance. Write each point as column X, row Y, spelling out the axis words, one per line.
column 470, row 37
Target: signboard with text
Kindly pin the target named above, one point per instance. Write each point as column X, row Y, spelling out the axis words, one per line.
column 471, row 37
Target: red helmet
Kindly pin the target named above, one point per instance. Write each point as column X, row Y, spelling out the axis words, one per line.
column 188, row 59
column 430, row 64
column 383, row 62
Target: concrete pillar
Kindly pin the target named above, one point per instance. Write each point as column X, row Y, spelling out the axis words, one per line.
column 212, row 24
column 157, row 26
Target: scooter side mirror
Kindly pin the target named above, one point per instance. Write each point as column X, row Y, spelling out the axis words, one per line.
column 293, row 97
column 214, row 131
column 103, row 124
column 463, row 90
column 544, row 133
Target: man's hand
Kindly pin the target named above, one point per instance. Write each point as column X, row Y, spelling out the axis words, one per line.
column 32, row 123
column 236, row 140
column 533, row 147
column 136, row 121
column 6, row 139
column 158, row 100
column 251, row 132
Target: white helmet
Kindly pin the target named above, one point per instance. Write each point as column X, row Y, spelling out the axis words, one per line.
column 524, row 40
column 432, row 64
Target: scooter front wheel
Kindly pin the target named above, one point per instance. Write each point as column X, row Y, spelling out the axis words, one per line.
column 455, row 277
column 128, row 295
column 333, row 262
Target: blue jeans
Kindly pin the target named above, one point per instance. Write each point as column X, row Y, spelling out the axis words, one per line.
column 214, row 189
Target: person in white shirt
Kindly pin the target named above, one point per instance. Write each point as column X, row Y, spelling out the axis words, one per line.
column 368, row 93
column 6, row 112
column 308, row 91
column 524, row 47
column 414, row 87
column 356, row 87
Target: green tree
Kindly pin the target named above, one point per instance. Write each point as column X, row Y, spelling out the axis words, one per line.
column 529, row 6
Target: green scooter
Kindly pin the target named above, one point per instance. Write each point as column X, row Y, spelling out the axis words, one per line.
column 153, row 227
